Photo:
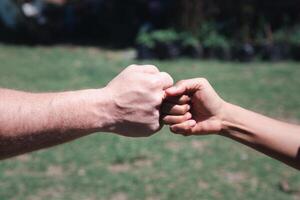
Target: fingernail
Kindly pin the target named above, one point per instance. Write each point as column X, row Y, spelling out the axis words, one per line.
column 188, row 107
column 192, row 123
column 188, row 115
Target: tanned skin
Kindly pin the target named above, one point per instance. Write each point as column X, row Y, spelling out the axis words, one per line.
column 194, row 108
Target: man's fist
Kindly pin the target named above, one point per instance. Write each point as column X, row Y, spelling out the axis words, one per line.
column 192, row 107
column 136, row 95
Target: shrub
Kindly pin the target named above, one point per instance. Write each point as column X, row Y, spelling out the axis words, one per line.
column 165, row 36
column 190, row 45
column 295, row 36
column 145, row 39
column 206, row 29
column 188, row 40
column 281, row 36
column 215, row 40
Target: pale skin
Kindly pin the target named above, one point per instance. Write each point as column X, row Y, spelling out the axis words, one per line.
column 193, row 107
column 129, row 106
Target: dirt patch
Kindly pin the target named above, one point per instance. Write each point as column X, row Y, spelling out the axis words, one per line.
column 197, row 164
column 119, row 167
column 119, row 196
column 198, row 145
column 152, row 198
column 56, row 171
column 24, row 158
column 49, row 193
column 203, row 185
column 174, row 146
column 143, row 163
column 94, row 51
column 22, row 171
column 297, row 196
column 288, row 188
column 235, row 177
column 138, row 162
column 81, row 172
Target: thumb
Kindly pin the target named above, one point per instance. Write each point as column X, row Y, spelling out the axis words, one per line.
column 175, row 90
column 185, row 86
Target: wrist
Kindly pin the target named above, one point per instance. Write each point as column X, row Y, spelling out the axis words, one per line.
column 226, row 118
column 102, row 109
column 234, row 122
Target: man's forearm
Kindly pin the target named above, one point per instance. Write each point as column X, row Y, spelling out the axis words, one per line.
column 274, row 138
column 128, row 106
column 31, row 121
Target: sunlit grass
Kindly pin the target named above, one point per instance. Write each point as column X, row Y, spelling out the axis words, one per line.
column 165, row 166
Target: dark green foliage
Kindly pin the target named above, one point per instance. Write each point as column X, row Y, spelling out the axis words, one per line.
column 215, row 40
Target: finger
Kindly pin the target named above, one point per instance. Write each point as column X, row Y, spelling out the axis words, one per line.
column 165, row 80
column 197, row 129
column 186, row 87
column 171, row 119
column 173, row 109
column 179, row 100
column 183, row 128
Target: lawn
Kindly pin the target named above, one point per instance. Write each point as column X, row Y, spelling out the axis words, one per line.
column 165, row 166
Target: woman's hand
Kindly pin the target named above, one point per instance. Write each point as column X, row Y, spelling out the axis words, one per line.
column 192, row 107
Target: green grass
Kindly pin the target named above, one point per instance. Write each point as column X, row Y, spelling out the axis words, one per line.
column 165, row 166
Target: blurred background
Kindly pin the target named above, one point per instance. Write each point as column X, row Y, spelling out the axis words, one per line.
column 164, row 29
column 248, row 49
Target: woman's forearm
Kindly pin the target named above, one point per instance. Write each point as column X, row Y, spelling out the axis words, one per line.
column 271, row 137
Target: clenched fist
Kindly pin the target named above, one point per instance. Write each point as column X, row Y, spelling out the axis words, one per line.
column 136, row 95
column 192, row 107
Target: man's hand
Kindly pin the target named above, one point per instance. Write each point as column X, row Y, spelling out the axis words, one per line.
column 129, row 105
column 193, row 107
column 136, row 95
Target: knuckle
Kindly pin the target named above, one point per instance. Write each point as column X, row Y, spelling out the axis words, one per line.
column 180, row 82
column 133, row 66
column 154, row 127
column 182, row 109
column 153, row 67
column 157, row 100
column 203, row 81
column 186, row 98
column 186, row 116
column 154, row 82
column 148, row 81
column 156, row 114
column 183, row 99
column 167, row 76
